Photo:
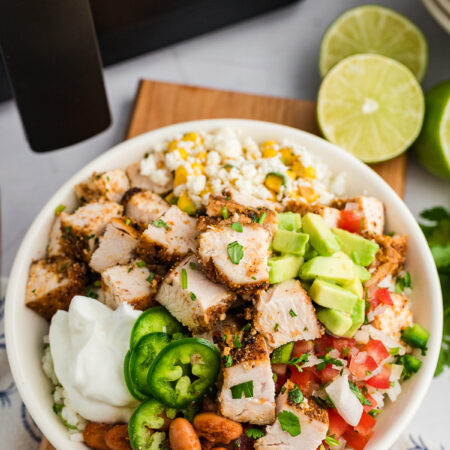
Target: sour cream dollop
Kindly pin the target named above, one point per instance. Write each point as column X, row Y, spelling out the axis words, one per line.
column 88, row 344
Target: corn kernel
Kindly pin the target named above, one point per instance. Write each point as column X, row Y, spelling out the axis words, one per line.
column 173, row 145
column 183, row 153
column 308, row 193
column 291, row 174
column 180, row 176
column 186, row 204
column 269, row 152
column 202, row 156
column 286, row 156
column 310, row 172
column 171, row 199
column 301, row 171
column 269, row 143
column 274, row 182
column 193, row 137
column 198, row 168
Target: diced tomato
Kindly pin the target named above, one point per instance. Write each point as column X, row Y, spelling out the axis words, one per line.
column 376, row 350
column 337, row 424
column 356, row 440
column 281, row 372
column 307, row 379
column 323, row 345
column 323, row 446
column 361, row 364
column 383, row 296
column 350, row 221
column 373, row 403
column 366, row 424
column 328, row 373
column 344, row 345
column 381, row 380
column 302, row 347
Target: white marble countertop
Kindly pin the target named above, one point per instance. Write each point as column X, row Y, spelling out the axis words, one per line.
column 275, row 54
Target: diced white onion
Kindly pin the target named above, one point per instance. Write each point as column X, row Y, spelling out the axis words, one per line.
column 396, row 372
column 387, row 340
column 394, row 391
column 351, row 206
column 362, row 337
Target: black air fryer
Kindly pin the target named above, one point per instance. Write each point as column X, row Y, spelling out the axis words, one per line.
column 53, row 52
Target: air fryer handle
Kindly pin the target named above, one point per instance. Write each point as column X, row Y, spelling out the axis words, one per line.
column 51, row 54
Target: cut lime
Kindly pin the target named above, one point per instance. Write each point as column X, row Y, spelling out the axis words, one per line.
column 433, row 145
column 374, row 29
column 371, row 106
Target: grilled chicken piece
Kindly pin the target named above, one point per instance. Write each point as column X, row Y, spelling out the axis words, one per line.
column 329, row 215
column 249, row 363
column 370, row 208
column 82, row 229
column 245, row 275
column 169, row 238
column 144, row 206
column 110, row 185
column 395, row 318
column 52, row 283
column 250, row 201
column 117, row 246
column 288, row 305
column 159, row 184
column 194, row 300
column 389, row 259
column 219, row 205
column 313, row 423
column 133, row 283
column 54, row 247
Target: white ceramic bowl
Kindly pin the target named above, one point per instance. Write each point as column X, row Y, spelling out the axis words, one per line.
column 25, row 329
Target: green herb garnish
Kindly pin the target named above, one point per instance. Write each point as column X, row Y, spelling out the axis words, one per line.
column 241, row 389
column 160, row 223
column 184, row 280
column 59, row 209
column 235, row 252
column 289, row 422
column 292, row 313
column 254, row 433
column 237, row 226
column 296, row 395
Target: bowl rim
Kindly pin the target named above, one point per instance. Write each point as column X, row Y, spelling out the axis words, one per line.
column 16, row 278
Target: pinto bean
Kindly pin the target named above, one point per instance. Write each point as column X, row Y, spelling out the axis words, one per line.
column 216, row 428
column 182, row 436
column 94, row 435
column 117, row 438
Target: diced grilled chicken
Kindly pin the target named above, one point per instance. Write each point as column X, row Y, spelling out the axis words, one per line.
column 54, row 247
column 133, row 283
column 287, row 305
column 223, row 207
column 245, row 275
column 249, row 363
column 110, row 185
column 117, row 246
column 329, row 215
column 82, row 229
column 52, row 283
column 169, row 238
column 194, row 300
column 140, row 180
column 313, row 423
column 370, row 208
column 251, row 201
column 144, row 206
column 389, row 259
column 395, row 318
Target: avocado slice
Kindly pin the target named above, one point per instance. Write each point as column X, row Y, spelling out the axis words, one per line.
column 290, row 242
column 283, row 267
column 332, row 296
column 335, row 321
column 310, row 252
column 361, row 272
column 338, row 270
column 289, row 221
column 320, row 235
column 357, row 316
column 354, row 286
column 282, row 355
column 361, row 250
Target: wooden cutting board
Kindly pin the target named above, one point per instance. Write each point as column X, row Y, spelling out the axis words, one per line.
column 159, row 104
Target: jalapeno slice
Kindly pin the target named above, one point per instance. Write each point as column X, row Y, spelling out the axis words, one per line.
column 142, row 356
column 183, row 371
column 147, row 418
column 156, row 319
column 128, row 381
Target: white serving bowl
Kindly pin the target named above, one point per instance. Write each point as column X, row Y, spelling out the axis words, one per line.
column 25, row 329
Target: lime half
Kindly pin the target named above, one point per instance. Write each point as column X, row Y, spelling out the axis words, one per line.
column 371, row 106
column 374, row 29
column 433, row 145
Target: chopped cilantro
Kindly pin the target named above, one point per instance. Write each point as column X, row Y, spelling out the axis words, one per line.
column 299, row 361
column 289, row 422
column 90, row 292
column 59, row 209
column 292, row 313
column 402, row 283
column 247, row 326
column 237, row 342
column 160, row 223
column 141, row 263
column 193, row 296
column 324, row 402
column 151, row 277
column 374, row 412
column 242, row 389
column 262, row 218
column 235, row 252
column 327, row 359
column 224, row 212
column 359, row 395
column 275, row 328
column 255, row 433
column 184, row 280
column 228, row 360
column 127, row 221
column 193, row 266
column 237, row 226
column 296, row 395
column 97, row 283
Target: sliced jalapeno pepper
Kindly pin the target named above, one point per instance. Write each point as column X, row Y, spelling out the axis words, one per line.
column 142, row 356
column 145, row 419
column 183, row 371
column 128, row 381
column 156, row 319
